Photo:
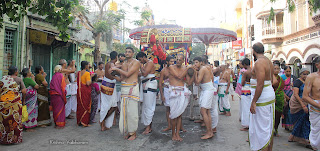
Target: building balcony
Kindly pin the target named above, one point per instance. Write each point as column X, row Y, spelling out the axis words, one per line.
column 272, row 35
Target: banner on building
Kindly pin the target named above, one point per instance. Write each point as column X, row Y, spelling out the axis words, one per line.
column 237, row 44
column 38, row 37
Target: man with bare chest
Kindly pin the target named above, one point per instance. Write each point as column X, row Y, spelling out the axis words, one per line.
column 223, row 91
column 73, row 86
column 245, row 95
column 179, row 95
column 214, row 110
column 164, row 88
column 149, row 85
column 261, row 122
column 203, row 76
column 311, row 94
column 100, row 73
column 231, row 88
column 129, row 118
column 108, row 94
column 66, row 72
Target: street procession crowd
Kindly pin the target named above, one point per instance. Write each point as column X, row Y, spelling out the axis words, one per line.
column 125, row 87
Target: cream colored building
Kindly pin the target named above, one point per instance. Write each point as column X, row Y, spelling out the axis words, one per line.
column 290, row 37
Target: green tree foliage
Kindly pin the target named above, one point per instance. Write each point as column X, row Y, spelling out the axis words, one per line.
column 314, row 6
column 121, row 47
column 111, row 21
column 104, row 23
column 198, row 49
column 145, row 16
column 56, row 12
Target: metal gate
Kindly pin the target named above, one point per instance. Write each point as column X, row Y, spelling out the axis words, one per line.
column 41, row 56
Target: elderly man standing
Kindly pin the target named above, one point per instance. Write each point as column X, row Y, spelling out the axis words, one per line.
column 66, row 72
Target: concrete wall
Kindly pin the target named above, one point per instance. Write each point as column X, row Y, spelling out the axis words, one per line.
column 17, row 28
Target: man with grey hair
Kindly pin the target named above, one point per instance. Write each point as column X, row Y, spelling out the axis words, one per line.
column 72, row 106
column 66, row 71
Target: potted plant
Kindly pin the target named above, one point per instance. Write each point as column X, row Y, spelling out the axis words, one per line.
column 314, row 6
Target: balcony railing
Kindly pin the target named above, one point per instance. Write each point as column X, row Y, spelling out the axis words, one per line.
column 270, row 32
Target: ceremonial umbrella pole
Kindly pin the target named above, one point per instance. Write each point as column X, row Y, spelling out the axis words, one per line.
column 209, row 36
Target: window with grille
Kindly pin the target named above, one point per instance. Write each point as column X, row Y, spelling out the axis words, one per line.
column 8, row 49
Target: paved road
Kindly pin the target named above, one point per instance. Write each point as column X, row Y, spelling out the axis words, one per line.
column 228, row 137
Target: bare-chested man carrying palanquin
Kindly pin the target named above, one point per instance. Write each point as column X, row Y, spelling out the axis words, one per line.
column 263, row 102
column 129, row 118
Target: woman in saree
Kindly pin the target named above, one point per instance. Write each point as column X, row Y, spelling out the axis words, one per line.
column 84, row 95
column 288, row 83
column 31, row 100
column 299, row 111
column 278, row 85
column 58, row 97
column 11, row 107
column 43, row 104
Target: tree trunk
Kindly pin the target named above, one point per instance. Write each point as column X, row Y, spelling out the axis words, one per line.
column 97, row 53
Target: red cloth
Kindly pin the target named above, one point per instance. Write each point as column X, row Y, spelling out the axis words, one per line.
column 154, row 48
column 155, row 60
column 96, row 86
column 153, row 39
column 83, row 102
column 58, row 108
column 58, row 98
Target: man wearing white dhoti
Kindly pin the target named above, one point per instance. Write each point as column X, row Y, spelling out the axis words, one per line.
column 223, row 91
column 164, row 88
column 245, row 102
column 73, row 91
column 108, row 94
column 311, row 95
column 179, row 95
column 149, row 86
column 67, row 71
column 261, row 122
column 100, row 73
column 68, row 104
column 203, row 76
column 214, row 109
column 231, row 88
column 108, row 103
column 129, row 118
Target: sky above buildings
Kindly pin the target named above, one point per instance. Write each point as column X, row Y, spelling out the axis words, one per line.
column 187, row 13
column 190, row 13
